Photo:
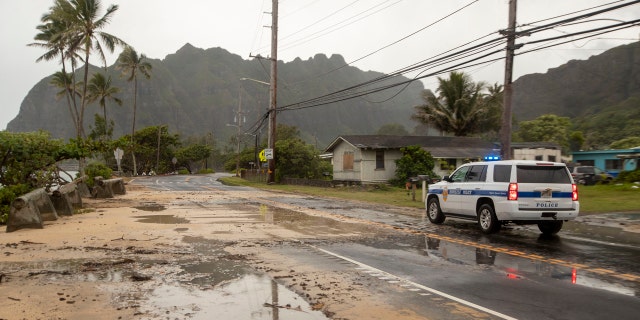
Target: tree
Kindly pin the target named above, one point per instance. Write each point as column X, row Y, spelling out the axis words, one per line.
column 414, row 161
column 131, row 64
column 546, row 128
column 28, row 161
column 73, row 27
column 52, row 39
column 190, row 155
column 393, row 129
column 460, row 106
column 626, row 143
column 100, row 89
column 154, row 148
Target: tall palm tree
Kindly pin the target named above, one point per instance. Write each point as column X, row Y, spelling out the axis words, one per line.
column 100, row 89
column 460, row 106
column 84, row 34
column 52, row 39
column 131, row 64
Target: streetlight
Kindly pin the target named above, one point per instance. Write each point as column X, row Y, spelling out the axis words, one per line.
column 271, row 136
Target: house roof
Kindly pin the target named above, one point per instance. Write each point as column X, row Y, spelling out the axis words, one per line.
column 438, row 146
column 535, row 145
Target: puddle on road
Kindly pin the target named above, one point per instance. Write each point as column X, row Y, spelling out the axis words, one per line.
column 162, row 219
column 151, row 206
column 222, row 286
column 250, row 296
column 301, row 222
column 512, row 266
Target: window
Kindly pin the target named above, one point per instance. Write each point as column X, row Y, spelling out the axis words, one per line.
column 347, row 160
column 613, row 164
column 448, row 164
column 551, row 158
column 379, row 159
column 477, row 173
column 501, row 173
column 587, row 162
column 543, row 174
column 460, row 174
column 538, row 158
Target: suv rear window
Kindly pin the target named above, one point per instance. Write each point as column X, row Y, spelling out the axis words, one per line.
column 543, row 174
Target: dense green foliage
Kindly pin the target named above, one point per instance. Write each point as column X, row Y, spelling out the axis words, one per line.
column 414, row 161
column 626, row 143
column 28, row 161
column 189, row 156
column 154, row 149
column 97, row 169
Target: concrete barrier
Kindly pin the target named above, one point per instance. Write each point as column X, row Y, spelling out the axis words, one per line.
column 117, row 185
column 30, row 210
column 107, row 188
column 61, row 202
column 83, row 188
column 72, row 192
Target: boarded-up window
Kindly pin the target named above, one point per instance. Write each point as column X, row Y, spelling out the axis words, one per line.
column 347, row 160
column 379, row 159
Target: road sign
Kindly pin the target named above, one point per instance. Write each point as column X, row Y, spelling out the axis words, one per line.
column 268, row 154
column 261, row 156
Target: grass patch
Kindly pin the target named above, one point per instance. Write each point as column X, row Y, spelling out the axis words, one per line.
column 609, row 198
column 382, row 194
column 593, row 199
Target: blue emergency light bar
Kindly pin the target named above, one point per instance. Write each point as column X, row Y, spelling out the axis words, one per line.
column 491, row 158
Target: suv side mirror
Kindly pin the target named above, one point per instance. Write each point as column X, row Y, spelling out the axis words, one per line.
column 447, row 179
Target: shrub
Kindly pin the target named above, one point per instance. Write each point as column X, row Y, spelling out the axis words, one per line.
column 7, row 195
column 97, row 169
column 629, row 176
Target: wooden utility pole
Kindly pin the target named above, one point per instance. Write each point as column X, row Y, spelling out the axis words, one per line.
column 273, row 90
column 505, row 130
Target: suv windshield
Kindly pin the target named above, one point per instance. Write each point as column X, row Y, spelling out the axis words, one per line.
column 543, row 174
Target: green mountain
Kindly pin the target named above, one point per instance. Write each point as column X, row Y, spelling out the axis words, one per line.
column 601, row 95
column 198, row 92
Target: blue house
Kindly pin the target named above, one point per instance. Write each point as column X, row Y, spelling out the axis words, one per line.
column 612, row 161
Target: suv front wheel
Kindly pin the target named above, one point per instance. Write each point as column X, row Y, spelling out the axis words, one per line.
column 434, row 213
column 487, row 219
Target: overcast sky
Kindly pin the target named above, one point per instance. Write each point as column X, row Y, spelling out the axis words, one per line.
column 353, row 29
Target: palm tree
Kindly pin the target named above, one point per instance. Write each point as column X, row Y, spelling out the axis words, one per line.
column 130, row 63
column 85, row 34
column 52, row 39
column 64, row 81
column 460, row 107
column 100, row 89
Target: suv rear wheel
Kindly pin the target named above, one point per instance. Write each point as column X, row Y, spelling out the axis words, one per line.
column 487, row 219
column 434, row 212
column 550, row 227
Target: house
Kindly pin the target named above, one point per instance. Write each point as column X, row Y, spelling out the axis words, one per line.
column 612, row 161
column 541, row 151
column 371, row 158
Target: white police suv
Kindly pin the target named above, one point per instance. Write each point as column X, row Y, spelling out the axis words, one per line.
column 509, row 191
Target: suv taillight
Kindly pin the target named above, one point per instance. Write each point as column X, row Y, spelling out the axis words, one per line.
column 574, row 192
column 512, row 193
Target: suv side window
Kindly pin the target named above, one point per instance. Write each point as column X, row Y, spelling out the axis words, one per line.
column 459, row 175
column 477, row 173
column 502, row 173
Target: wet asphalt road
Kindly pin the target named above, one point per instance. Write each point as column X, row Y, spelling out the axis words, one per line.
column 585, row 272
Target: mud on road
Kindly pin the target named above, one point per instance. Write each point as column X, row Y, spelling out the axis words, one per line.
column 193, row 255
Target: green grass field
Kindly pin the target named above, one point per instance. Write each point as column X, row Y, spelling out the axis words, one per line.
column 593, row 199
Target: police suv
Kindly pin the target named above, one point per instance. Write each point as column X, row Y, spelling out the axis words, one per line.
column 510, row 191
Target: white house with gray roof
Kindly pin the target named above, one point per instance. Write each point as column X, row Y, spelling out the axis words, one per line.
column 371, row 158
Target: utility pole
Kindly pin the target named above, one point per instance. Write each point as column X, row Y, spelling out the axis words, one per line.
column 505, row 131
column 273, row 92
